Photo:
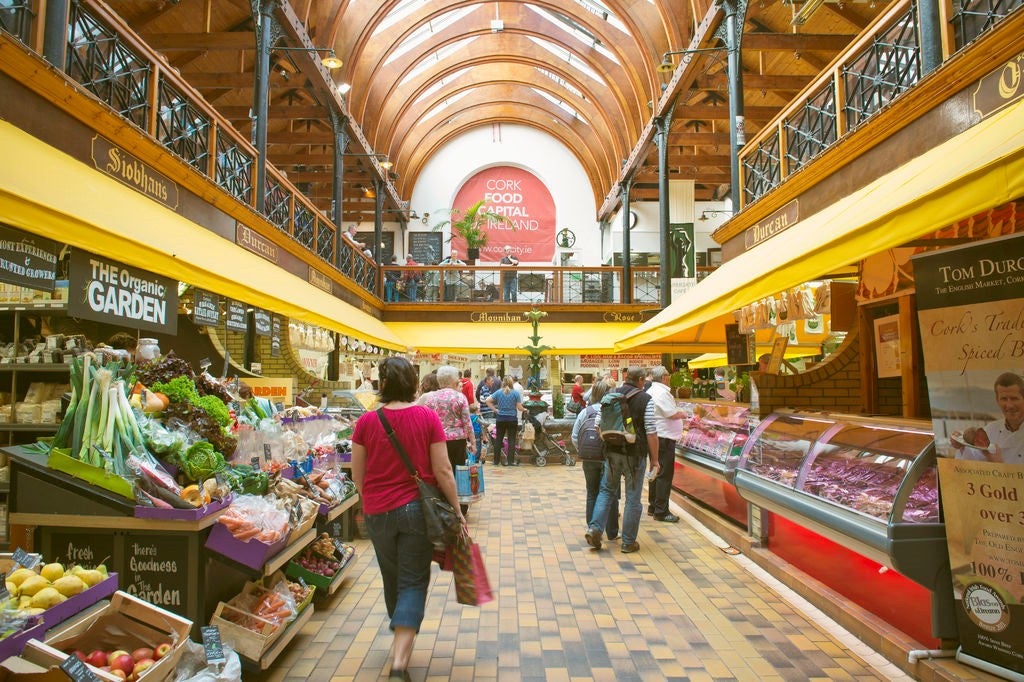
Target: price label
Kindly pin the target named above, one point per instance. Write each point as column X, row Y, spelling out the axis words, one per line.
column 77, row 670
column 266, row 452
column 212, row 646
column 204, row 364
column 279, row 406
column 24, row 559
column 255, row 462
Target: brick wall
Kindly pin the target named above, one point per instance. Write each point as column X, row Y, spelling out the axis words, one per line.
column 832, row 386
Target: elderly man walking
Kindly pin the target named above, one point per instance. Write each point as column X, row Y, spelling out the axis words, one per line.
column 668, row 420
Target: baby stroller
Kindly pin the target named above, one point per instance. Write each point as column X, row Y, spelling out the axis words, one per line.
column 540, row 442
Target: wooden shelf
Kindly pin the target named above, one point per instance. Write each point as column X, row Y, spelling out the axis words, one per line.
column 345, row 505
column 41, row 428
column 35, row 366
column 291, row 549
column 42, row 305
column 119, row 522
column 336, row 583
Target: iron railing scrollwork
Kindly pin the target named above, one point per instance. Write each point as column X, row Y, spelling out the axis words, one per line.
column 887, row 67
column 233, row 171
column 972, row 18
column 762, row 170
column 105, row 66
column 305, row 226
column 277, row 205
column 182, row 128
column 16, row 18
column 325, row 237
column 812, row 129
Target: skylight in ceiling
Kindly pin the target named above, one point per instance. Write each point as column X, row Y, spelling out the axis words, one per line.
column 598, row 9
column 438, row 84
column 573, row 28
column 569, row 58
column 445, row 104
column 561, row 81
column 438, row 55
column 422, row 32
column 559, row 103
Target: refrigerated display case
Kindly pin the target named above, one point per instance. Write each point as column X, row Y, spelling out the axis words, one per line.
column 714, row 433
column 868, row 485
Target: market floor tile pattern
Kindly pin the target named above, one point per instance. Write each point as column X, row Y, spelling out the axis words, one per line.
column 679, row 609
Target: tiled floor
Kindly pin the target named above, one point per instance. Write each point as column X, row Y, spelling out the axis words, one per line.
column 679, row 609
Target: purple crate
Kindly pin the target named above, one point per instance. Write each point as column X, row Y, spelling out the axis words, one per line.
column 252, row 553
column 13, row 644
column 81, row 601
column 182, row 514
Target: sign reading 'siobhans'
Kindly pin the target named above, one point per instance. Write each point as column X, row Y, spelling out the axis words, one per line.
column 109, row 291
column 524, row 200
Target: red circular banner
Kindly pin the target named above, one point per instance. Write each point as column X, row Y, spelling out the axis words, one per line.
column 524, row 200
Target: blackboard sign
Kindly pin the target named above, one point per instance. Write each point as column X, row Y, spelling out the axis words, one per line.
column 236, row 320
column 275, row 337
column 387, row 243
column 114, row 293
column 425, row 247
column 76, row 669
column 739, row 348
column 87, row 550
column 261, row 318
column 212, row 646
column 27, row 260
column 156, row 570
column 205, row 308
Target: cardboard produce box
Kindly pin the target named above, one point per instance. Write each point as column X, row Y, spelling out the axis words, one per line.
column 126, row 623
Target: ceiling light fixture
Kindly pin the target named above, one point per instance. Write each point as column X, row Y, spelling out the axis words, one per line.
column 330, row 60
column 668, row 65
column 805, row 12
column 382, row 159
column 704, row 215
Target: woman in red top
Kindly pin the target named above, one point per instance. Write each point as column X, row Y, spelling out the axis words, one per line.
column 391, row 501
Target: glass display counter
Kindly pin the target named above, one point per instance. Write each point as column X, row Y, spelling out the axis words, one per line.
column 868, row 485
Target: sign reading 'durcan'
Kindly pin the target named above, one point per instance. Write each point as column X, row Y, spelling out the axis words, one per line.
column 27, row 260
column 109, row 291
column 262, row 320
column 236, row 320
column 524, row 200
column 205, row 308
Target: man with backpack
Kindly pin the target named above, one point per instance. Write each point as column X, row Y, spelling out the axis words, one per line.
column 586, row 437
column 669, row 425
column 629, row 435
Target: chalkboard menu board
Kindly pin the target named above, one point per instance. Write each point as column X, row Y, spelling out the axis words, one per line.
column 205, row 308
column 85, row 549
column 236, row 320
column 156, row 570
column 425, row 247
column 262, row 320
column 275, row 337
column 739, row 348
column 27, row 260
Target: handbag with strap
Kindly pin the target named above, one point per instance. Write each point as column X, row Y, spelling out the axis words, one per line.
column 443, row 525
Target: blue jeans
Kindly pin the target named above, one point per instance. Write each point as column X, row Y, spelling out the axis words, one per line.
column 410, row 289
column 631, row 512
column 511, row 288
column 390, row 293
column 404, row 554
column 593, row 472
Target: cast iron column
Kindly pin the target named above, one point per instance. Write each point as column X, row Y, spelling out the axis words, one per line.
column 735, row 10
column 55, row 40
column 341, row 140
column 931, row 35
column 378, row 220
column 663, row 124
column 265, row 38
column 627, row 270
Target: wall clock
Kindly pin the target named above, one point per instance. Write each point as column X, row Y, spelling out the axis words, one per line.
column 565, row 238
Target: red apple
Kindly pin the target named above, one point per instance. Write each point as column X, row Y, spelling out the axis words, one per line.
column 78, row 654
column 141, row 653
column 97, row 658
column 162, row 650
column 117, row 652
column 142, row 666
column 122, row 661
column 117, row 672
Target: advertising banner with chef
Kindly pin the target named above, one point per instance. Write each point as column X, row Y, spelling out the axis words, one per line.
column 524, row 200
column 971, row 314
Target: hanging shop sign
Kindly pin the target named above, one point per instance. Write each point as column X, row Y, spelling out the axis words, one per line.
column 276, row 390
column 253, row 241
column 111, row 160
column 236, row 320
column 261, row 318
column 521, row 197
column 783, row 219
column 739, row 348
column 275, row 337
column 1000, row 88
column 971, row 317
column 320, row 280
column 205, row 308
column 27, row 260
column 109, row 291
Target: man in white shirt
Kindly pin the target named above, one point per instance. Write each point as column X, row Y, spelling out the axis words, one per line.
column 669, row 426
column 452, row 278
column 350, row 235
column 1006, row 434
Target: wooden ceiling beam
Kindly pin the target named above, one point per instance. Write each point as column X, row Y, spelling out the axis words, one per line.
column 753, row 81
column 796, row 41
column 290, row 111
column 686, row 112
column 686, row 138
column 220, row 40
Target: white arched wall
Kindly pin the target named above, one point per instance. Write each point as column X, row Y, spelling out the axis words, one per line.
column 514, row 145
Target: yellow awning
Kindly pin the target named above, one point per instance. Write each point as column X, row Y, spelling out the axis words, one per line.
column 565, row 338
column 721, row 359
column 979, row 168
column 48, row 193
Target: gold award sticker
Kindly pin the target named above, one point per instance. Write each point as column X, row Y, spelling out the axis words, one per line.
column 986, row 608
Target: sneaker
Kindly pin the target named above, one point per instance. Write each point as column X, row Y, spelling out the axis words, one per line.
column 667, row 518
column 634, row 547
column 593, row 538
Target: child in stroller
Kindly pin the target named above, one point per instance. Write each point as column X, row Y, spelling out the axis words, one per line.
column 541, row 444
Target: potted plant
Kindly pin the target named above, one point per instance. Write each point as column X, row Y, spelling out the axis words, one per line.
column 681, row 383
column 470, row 224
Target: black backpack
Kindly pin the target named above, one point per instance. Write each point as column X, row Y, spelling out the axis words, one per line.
column 591, row 447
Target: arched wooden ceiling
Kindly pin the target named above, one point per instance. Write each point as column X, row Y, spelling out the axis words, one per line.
column 424, row 72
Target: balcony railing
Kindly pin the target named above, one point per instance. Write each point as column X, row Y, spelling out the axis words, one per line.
column 526, row 284
column 16, row 18
column 878, row 67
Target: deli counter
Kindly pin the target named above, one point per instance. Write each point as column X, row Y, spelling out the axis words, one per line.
column 868, row 485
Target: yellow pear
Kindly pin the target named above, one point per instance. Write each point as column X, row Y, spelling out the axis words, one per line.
column 69, row 585
column 34, row 584
column 52, row 572
column 24, row 602
column 32, row 611
column 11, row 588
column 46, row 597
column 19, row 576
column 90, row 577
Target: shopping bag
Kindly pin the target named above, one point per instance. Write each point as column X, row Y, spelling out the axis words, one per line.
column 469, row 482
column 471, row 584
